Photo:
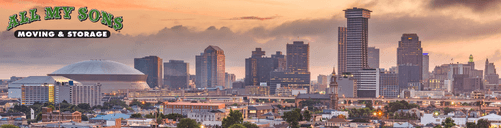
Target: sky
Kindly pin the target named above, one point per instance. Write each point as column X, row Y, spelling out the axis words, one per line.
column 449, row 30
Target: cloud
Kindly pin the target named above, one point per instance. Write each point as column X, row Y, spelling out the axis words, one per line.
column 184, row 42
column 177, row 19
column 254, row 18
column 476, row 5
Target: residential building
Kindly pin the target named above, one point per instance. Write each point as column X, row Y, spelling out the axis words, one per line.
column 50, row 116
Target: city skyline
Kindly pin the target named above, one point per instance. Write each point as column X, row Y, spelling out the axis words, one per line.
column 464, row 35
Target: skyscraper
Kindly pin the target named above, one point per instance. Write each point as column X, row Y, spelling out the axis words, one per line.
column 388, row 84
column 357, row 38
column 367, row 82
column 426, row 66
column 341, row 50
column 298, row 57
column 210, row 68
column 176, row 74
column 296, row 74
column 258, row 67
column 408, row 76
column 373, row 59
column 409, row 52
column 151, row 66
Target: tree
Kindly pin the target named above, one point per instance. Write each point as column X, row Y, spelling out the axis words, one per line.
column 447, row 110
column 300, row 115
column 368, row 104
column 9, row 126
column 292, row 117
column 237, row 126
column 149, row 116
column 483, row 123
column 471, row 125
column 136, row 115
column 250, row 125
column 234, row 104
column 448, row 123
column 83, row 106
column 188, row 123
column 235, row 117
column 173, row 116
column 84, row 118
column 307, row 115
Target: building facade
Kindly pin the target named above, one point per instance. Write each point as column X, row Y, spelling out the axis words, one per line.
column 90, row 94
column 341, row 47
column 151, row 66
column 229, row 79
column 176, row 74
column 409, row 52
column 356, row 38
column 367, row 82
column 388, row 84
column 184, row 108
column 258, row 67
column 298, row 57
column 373, row 57
column 210, row 67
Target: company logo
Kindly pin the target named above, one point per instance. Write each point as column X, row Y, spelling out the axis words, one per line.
column 54, row 13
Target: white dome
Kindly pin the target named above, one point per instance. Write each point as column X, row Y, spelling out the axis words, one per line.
column 98, row 67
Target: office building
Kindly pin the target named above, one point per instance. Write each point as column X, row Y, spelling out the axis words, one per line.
column 409, row 52
column 490, row 73
column 408, row 76
column 356, row 38
column 388, row 87
column 347, row 86
column 367, row 82
column 39, row 89
column 229, row 79
column 296, row 74
column 426, row 66
column 298, row 55
column 210, row 66
column 152, row 67
column 373, row 57
column 322, row 82
column 176, row 74
column 291, row 80
column 341, row 47
column 258, row 67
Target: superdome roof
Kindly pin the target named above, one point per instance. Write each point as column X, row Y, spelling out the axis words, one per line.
column 98, row 67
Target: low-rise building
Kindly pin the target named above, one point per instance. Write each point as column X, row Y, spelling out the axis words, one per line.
column 184, row 108
column 214, row 115
column 13, row 118
column 49, row 116
column 259, row 110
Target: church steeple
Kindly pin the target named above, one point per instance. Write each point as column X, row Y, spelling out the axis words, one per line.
column 471, row 58
column 333, row 89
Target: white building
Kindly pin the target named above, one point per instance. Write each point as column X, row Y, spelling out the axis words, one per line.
column 335, row 113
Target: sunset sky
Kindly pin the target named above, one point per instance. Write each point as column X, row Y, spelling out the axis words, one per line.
column 181, row 29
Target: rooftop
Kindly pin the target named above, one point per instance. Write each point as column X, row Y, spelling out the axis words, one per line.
column 106, row 67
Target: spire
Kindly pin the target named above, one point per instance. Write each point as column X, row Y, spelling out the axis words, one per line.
column 471, row 58
column 333, row 71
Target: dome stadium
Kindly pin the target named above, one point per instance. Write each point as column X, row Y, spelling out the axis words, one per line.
column 113, row 76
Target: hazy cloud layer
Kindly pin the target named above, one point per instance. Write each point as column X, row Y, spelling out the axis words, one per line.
column 475, row 5
column 253, row 18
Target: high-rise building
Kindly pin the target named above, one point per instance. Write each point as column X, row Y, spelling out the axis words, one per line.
column 490, row 73
column 258, row 67
column 347, row 86
column 341, row 50
column 229, row 79
column 367, row 82
column 373, row 57
column 176, row 74
column 409, row 52
column 298, row 57
column 296, row 74
column 426, row 66
column 151, row 66
column 357, row 38
column 210, row 67
column 408, row 76
column 388, row 84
